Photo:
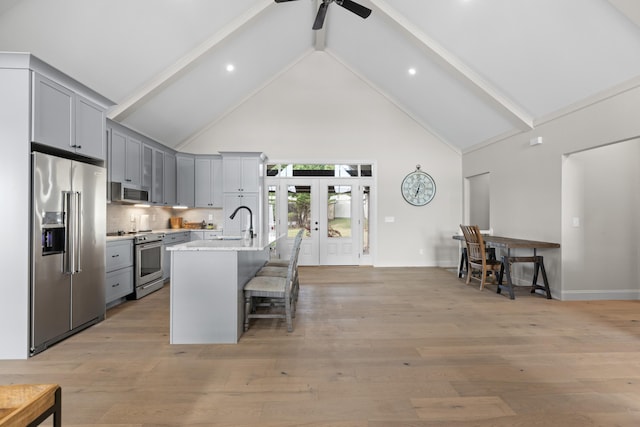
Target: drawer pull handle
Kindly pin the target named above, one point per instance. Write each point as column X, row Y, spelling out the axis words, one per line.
column 115, row 256
column 117, row 284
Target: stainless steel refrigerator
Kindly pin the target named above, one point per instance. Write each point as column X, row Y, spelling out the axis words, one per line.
column 68, row 239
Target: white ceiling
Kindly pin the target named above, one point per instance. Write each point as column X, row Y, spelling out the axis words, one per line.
column 485, row 69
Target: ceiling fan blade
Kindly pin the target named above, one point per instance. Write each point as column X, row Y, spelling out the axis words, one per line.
column 354, row 7
column 282, row 1
column 322, row 12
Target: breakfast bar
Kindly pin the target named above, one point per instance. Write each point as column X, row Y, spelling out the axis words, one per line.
column 207, row 281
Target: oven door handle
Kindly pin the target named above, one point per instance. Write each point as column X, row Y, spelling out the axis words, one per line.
column 149, row 245
column 148, row 285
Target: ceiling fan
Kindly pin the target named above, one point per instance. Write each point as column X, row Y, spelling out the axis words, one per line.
column 352, row 6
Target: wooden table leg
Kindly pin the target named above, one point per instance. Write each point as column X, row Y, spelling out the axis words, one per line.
column 506, row 269
column 539, row 265
column 463, row 263
column 55, row 410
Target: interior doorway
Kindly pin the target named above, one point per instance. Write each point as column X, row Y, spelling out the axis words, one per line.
column 478, row 201
column 600, row 232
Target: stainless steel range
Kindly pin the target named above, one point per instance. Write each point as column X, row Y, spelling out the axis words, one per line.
column 148, row 263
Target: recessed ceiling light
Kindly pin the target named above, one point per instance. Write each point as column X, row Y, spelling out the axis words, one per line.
column 231, row 68
column 412, row 71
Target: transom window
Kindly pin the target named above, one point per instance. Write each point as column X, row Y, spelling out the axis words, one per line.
column 319, row 170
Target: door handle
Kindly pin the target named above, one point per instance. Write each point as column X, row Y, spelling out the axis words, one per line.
column 78, row 232
column 68, row 223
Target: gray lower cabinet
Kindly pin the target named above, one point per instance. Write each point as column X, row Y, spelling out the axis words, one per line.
column 171, row 239
column 205, row 234
column 238, row 225
column 119, row 268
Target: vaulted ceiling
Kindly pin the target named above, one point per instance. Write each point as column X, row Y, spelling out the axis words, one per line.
column 483, row 69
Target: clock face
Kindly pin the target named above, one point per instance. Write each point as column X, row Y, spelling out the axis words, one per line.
column 418, row 188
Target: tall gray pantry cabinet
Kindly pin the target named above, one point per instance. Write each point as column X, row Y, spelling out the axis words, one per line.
column 44, row 106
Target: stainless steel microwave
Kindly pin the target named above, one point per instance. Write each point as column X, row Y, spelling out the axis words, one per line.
column 124, row 193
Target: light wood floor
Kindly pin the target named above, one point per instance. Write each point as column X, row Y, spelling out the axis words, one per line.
column 371, row 347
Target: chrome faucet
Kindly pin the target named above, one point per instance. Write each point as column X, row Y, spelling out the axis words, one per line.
column 233, row 215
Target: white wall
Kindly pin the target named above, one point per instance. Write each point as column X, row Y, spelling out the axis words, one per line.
column 526, row 181
column 14, row 174
column 320, row 111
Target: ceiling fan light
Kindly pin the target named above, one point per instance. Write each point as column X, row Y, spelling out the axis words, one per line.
column 412, row 71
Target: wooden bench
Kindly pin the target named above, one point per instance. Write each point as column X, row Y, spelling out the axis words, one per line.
column 30, row 404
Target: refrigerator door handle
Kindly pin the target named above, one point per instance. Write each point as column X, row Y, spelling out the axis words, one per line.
column 78, row 233
column 67, row 258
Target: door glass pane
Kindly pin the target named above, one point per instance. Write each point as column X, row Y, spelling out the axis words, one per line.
column 272, row 210
column 366, row 206
column 339, row 211
column 273, row 169
column 298, row 209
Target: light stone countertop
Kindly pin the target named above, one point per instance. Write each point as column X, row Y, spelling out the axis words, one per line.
column 225, row 244
column 163, row 230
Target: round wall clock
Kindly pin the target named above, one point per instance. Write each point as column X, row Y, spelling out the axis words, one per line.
column 418, row 188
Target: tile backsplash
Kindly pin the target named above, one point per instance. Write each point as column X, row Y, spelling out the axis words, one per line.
column 127, row 217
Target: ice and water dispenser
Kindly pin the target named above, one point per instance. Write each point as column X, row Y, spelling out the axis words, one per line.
column 53, row 233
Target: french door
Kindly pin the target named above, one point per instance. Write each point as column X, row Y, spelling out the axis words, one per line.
column 330, row 210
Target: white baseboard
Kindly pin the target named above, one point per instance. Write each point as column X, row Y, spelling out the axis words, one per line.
column 603, row 294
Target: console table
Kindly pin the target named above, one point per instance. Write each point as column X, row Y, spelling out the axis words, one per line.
column 509, row 243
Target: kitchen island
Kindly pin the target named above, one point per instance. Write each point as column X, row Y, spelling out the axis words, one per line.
column 207, row 281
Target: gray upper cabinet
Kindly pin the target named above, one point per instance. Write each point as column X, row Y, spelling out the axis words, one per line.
column 208, row 182
column 169, row 179
column 147, row 168
column 90, row 126
column 157, row 186
column 66, row 120
column 153, row 171
column 142, row 163
column 241, row 174
column 243, row 181
column 132, row 162
column 52, row 113
column 124, row 158
column 185, row 180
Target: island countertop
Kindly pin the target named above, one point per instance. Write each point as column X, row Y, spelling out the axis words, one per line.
column 225, row 244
